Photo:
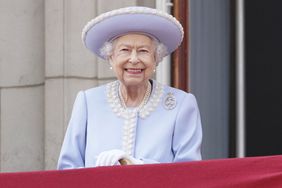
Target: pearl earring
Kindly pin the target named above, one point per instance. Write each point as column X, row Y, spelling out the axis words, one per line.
column 111, row 67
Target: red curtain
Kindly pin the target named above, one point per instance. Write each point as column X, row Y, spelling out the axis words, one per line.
column 240, row 173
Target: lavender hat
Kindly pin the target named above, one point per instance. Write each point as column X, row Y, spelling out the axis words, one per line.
column 105, row 27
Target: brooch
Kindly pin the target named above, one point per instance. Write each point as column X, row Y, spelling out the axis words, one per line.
column 169, row 101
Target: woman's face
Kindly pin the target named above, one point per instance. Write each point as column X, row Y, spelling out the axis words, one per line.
column 133, row 59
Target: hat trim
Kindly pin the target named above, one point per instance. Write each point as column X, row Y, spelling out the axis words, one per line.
column 130, row 10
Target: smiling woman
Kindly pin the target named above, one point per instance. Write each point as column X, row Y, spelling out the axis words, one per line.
column 133, row 62
column 134, row 119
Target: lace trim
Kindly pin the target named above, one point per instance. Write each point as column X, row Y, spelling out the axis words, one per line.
column 120, row 111
column 130, row 115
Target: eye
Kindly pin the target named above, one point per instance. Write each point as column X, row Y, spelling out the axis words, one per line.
column 144, row 50
column 124, row 49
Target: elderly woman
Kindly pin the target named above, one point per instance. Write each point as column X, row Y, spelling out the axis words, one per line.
column 134, row 120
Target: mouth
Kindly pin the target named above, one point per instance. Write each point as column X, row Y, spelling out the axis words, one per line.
column 134, row 70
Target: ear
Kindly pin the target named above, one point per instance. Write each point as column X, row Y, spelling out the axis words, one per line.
column 110, row 60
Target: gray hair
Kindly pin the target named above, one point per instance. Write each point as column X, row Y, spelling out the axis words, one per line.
column 160, row 52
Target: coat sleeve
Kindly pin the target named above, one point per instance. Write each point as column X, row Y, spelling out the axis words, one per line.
column 187, row 137
column 73, row 149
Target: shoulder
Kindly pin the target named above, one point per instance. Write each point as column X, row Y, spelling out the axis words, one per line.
column 91, row 94
column 96, row 90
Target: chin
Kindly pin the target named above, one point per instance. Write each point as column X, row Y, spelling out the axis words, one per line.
column 134, row 81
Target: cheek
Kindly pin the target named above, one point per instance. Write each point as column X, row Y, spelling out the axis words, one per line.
column 150, row 63
column 116, row 64
column 150, row 69
column 118, row 69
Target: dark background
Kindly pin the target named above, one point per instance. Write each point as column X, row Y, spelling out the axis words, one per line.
column 263, row 58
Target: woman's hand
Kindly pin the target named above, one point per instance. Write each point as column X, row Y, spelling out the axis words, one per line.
column 115, row 157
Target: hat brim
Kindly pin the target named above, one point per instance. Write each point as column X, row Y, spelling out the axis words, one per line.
column 163, row 29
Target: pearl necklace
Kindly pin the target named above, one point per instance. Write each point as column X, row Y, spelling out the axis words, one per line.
column 148, row 106
column 144, row 101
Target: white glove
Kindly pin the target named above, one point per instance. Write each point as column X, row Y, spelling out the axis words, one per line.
column 112, row 157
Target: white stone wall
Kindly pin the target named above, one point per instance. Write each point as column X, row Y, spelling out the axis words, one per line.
column 21, row 85
column 43, row 65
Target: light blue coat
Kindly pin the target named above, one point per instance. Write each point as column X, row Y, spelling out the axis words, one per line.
column 170, row 132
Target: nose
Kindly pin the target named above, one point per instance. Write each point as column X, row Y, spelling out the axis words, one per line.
column 133, row 57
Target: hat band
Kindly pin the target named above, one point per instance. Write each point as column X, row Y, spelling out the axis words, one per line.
column 134, row 32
